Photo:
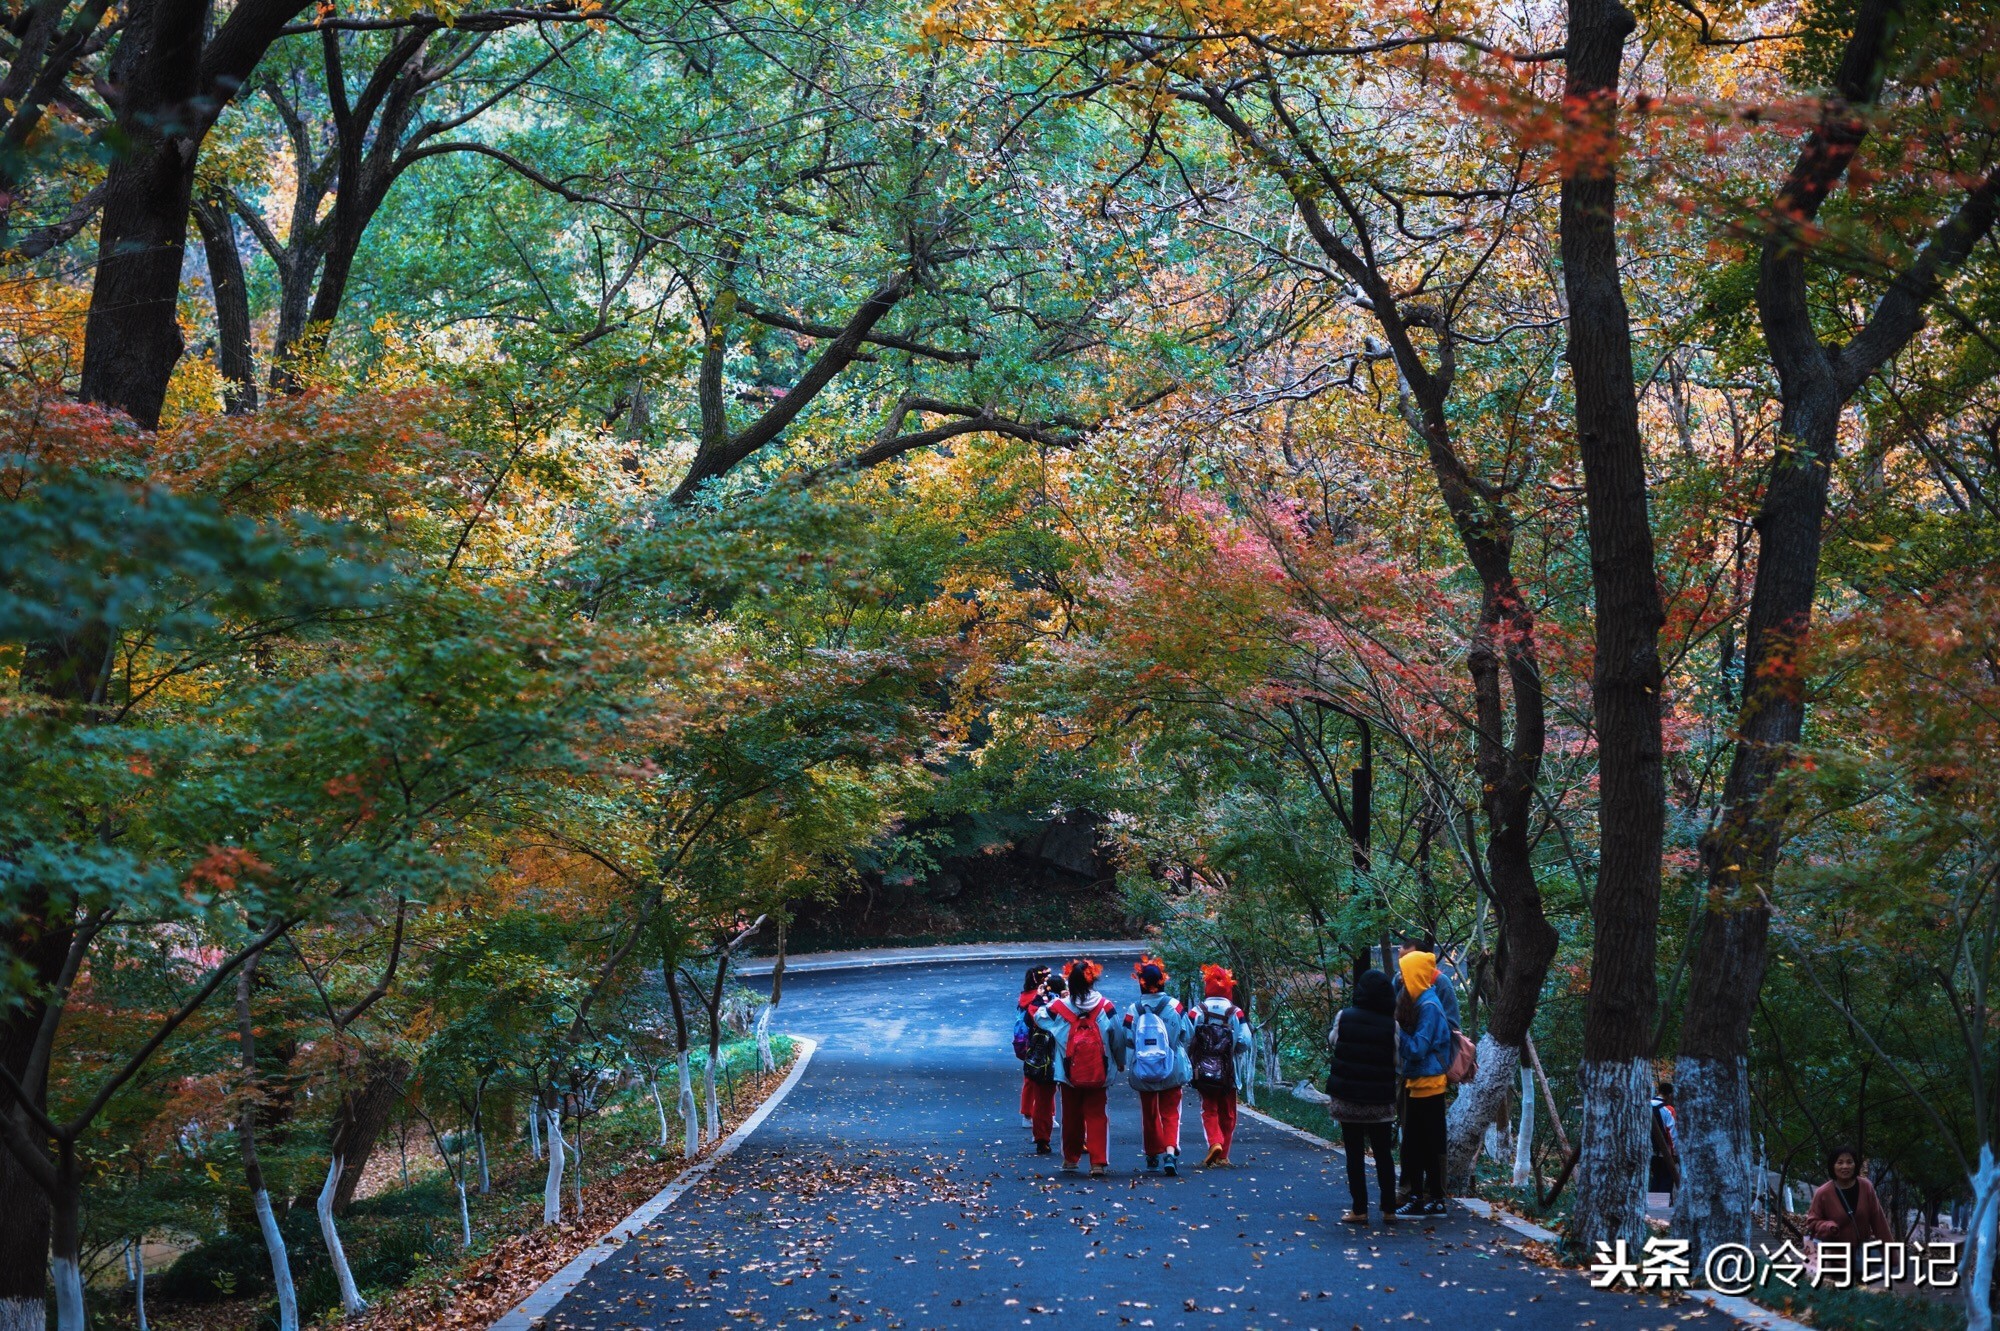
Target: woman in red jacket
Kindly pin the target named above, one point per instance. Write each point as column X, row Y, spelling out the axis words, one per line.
column 1845, row 1209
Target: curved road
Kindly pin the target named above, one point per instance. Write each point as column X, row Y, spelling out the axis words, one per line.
column 895, row 1187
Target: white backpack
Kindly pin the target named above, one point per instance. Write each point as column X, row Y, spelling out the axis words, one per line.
column 1155, row 1062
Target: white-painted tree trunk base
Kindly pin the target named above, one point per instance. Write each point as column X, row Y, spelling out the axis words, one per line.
column 552, row 1186
column 1616, row 1145
column 1981, row 1232
column 281, row 1266
column 23, row 1315
column 1718, row 1190
column 1524, row 1136
column 68, row 1276
column 714, row 1105
column 464, row 1218
column 137, row 1253
column 535, row 1132
column 351, row 1302
column 653, row 1085
column 485, row 1177
column 1480, row 1102
column 690, row 1117
column 767, row 1058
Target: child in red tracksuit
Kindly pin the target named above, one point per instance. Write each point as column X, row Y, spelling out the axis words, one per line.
column 1219, row 1053
column 1038, row 1094
column 1089, row 1044
column 1156, row 1036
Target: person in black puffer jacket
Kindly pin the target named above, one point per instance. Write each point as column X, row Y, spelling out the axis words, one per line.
column 1363, row 1090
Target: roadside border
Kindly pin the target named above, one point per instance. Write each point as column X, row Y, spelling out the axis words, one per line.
column 524, row 1315
column 1730, row 1305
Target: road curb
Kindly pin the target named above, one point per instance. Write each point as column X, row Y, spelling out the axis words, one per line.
column 807, row 963
column 552, row 1291
column 1730, row 1305
column 1268, row 1121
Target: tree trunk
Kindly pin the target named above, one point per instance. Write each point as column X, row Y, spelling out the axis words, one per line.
column 708, row 1093
column 552, row 1186
column 576, row 1176
column 767, row 1060
column 253, row 1170
column 132, row 337
column 690, row 1115
column 231, row 293
column 777, row 965
column 1980, row 1235
column 364, row 1112
column 66, row 1242
column 39, row 943
column 653, row 1085
column 139, row 1283
column 1524, row 1135
column 351, row 1302
column 1480, row 1104
column 1626, row 675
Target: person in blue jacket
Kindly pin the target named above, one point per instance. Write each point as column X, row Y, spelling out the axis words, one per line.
column 1425, row 1044
column 1157, row 1030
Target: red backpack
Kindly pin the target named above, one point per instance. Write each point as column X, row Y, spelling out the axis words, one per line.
column 1084, row 1061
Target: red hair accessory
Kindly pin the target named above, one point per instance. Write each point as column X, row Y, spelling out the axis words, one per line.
column 1150, row 971
column 1216, row 981
column 1091, row 970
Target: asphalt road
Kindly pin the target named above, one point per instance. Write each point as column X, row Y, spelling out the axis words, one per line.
column 895, row 1187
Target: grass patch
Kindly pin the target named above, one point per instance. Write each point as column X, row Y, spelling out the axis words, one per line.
column 1302, row 1114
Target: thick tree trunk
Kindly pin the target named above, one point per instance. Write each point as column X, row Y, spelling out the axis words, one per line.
column 351, row 1302
column 1714, row 1202
column 1626, row 675
column 364, row 1112
column 66, row 1242
column 132, row 337
column 1981, row 1233
column 1481, row 1103
column 233, row 356
column 24, row 1206
column 173, row 78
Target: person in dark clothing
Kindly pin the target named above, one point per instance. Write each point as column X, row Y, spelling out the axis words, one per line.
column 1362, row 1087
column 1038, row 1094
column 1663, row 1173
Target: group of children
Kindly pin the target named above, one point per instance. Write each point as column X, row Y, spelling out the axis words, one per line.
column 1070, row 1039
column 1395, row 1049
